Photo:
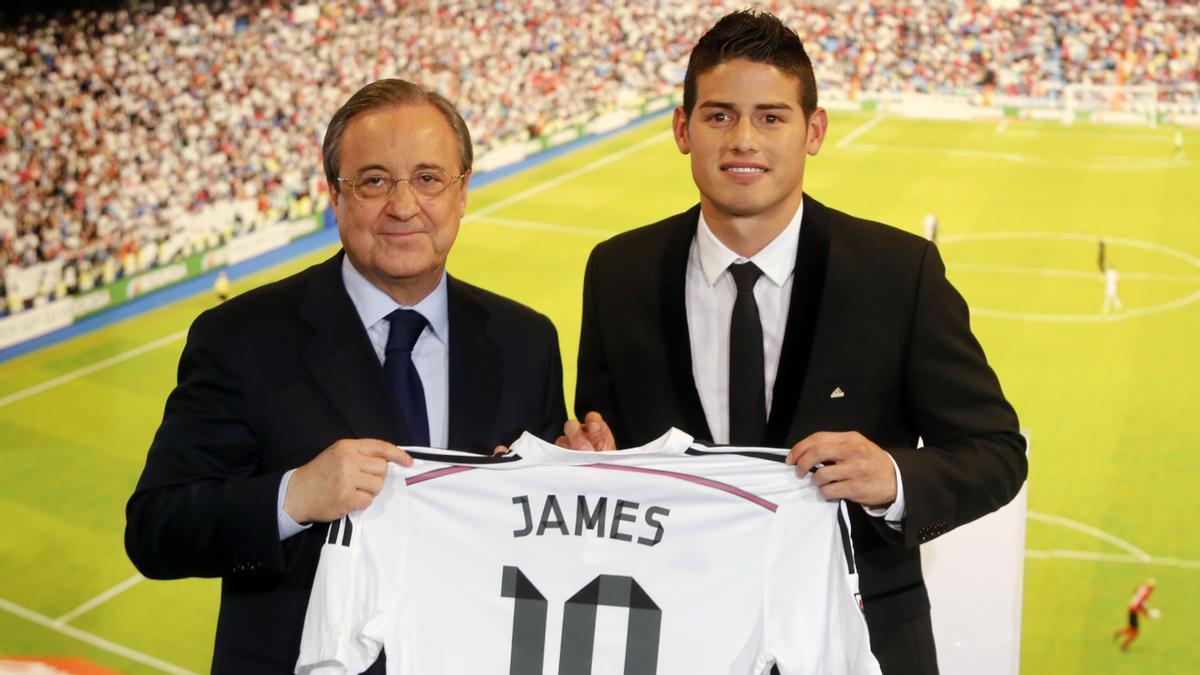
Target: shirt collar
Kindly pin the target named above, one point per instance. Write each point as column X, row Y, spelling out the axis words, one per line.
column 777, row 260
column 373, row 305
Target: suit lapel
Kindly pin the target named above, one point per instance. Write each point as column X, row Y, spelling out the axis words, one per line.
column 339, row 356
column 675, row 325
column 808, row 284
column 475, row 378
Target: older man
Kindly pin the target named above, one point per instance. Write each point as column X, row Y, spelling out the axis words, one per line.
column 292, row 398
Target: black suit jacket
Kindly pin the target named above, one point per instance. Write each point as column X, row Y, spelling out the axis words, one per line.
column 871, row 313
column 266, row 382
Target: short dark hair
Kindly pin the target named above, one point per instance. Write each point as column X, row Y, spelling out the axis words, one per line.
column 756, row 36
column 383, row 94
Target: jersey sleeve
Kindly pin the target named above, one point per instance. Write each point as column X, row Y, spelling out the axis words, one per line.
column 812, row 622
column 352, row 597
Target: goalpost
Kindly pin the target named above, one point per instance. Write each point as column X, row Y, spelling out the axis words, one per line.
column 1111, row 103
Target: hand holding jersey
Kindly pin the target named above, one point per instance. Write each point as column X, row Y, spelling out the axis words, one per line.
column 851, row 467
column 345, row 477
column 591, row 435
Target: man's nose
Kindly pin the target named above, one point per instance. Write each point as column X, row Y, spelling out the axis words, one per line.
column 744, row 136
column 402, row 203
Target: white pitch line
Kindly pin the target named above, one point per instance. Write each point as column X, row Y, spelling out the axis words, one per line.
column 544, row 227
column 99, row 600
column 1070, row 274
column 1109, row 163
column 88, row 370
column 1125, row 315
column 860, row 130
column 1002, row 127
column 1106, row 135
column 555, row 182
column 94, row 640
column 1091, row 531
column 1094, row 556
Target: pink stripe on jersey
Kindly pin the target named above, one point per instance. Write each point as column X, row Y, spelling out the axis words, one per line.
column 436, row 473
column 706, row 482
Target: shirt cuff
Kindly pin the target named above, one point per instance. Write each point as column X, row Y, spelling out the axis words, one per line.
column 894, row 514
column 287, row 526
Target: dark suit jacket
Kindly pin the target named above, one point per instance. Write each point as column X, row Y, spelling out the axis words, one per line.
column 871, row 313
column 267, row 381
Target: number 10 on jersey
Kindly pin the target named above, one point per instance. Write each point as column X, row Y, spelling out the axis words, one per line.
column 579, row 625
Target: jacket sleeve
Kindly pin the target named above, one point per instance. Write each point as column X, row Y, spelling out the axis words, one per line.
column 973, row 460
column 593, row 386
column 555, row 403
column 200, row 508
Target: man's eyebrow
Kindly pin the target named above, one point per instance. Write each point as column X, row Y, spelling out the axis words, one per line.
column 423, row 166
column 373, row 167
column 725, row 105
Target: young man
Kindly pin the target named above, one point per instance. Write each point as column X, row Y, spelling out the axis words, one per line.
column 292, row 398
column 761, row 316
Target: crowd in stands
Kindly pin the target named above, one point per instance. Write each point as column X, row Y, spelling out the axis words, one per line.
column 114, row 125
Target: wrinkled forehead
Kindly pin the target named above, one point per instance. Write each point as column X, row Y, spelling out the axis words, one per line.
column 399, row 139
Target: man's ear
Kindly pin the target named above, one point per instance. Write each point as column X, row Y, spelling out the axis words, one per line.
column 462, row 195
column 818, row 124
column 679, row 125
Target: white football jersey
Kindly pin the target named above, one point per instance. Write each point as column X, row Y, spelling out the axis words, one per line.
column 666, row 559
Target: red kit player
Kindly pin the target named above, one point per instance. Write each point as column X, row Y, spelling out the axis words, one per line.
column 1137, row 605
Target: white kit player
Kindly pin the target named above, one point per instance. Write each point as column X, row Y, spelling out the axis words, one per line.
column 931, row 226
column 665, row 559
column 1112, row 283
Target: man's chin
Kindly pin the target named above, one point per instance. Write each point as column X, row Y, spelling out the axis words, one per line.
column 741, row 208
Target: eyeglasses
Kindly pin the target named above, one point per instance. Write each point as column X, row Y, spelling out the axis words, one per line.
column 424, row 183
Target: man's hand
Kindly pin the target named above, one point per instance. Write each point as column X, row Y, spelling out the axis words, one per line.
column 593, row 435
column 345, row 477
column 852, row 467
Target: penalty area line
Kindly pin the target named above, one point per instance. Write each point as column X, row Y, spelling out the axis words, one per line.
column 94, row 640
column 88, row 370
column 1095, row 556
column 99, row 599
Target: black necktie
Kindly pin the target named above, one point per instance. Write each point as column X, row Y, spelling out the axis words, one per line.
column 406, row 327
column 747, row 392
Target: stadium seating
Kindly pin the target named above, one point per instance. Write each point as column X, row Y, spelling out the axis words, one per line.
column 116, row 125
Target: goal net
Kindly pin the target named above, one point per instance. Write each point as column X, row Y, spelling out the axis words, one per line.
column 1113, row 104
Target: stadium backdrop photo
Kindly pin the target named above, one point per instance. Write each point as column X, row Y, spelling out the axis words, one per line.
column 1026, row 204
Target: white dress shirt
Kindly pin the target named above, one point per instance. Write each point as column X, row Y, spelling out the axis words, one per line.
column 709, row 294
column 430, row 355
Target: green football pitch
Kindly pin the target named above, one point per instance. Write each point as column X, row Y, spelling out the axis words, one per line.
column 1108, row 398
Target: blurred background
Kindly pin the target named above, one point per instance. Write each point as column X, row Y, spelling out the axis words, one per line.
column 151, row 152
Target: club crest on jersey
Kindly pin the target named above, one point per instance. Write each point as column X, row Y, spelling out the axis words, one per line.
column 628, row 521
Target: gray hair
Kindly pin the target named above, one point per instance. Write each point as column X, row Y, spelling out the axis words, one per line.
column 382, row 94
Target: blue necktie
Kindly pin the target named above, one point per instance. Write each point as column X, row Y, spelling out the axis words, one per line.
column 405, row 327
